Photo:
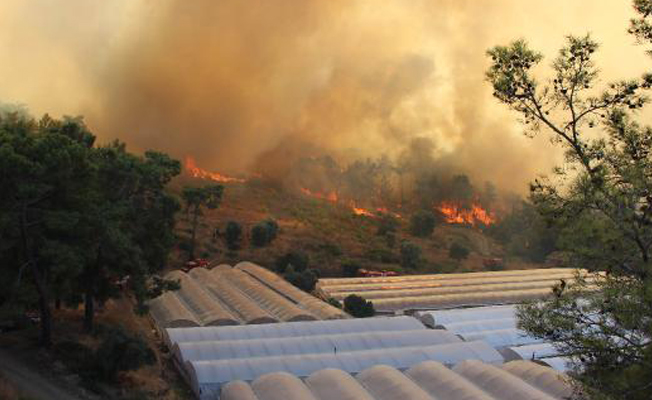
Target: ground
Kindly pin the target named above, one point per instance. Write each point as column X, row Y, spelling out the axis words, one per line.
column 30, row 372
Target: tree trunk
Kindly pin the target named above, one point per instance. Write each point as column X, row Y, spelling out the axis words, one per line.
column 194, row 231
column 89, row 310
column 45, row 336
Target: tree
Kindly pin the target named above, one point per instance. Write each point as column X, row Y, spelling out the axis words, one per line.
column 350, row 268
column 410, row 255
column 233, row 235
column 263, row 233
column 298, row 260
column 422, row 223
column 195, row 198
column 602, row 322
column 358, row 306
column 305, row 279
column 458, row 252
column 78, row 217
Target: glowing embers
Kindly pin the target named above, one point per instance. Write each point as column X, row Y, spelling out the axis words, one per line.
column 195, row 171
column 457, row 214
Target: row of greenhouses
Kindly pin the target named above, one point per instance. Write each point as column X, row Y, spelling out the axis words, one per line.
column 442, row 291
column 429, row 380
column 496, row 326
column 244, row 294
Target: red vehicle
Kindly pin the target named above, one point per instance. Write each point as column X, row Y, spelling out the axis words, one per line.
column 196, row 263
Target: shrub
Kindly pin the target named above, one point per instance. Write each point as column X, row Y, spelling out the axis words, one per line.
column 382, row 255
column 458, row 252
column 333, row 302
column 410, row 255
column 358, row 306
column 298, row 260
column 233, row 235
column 263, row 233
column 350, row 268
column 422, row 223
column 304, row 280
column 387, row 224
column 120, row 351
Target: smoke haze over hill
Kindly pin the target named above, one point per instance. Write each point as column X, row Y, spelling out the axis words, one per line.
column 255, row 84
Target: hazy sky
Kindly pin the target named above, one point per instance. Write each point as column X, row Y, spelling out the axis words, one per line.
column 228, row 80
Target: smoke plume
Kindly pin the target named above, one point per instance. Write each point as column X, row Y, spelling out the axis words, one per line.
column 253, row 85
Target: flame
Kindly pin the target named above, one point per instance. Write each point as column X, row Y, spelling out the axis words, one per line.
column 455, row 214
column 330, row 196
column 361, row 211
column 195, row 171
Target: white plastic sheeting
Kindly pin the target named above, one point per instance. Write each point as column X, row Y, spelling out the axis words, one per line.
column 209, row 376
column 557, row 363
column 248, row 294
column 232, row 349
column 441, row 317
column 468, row 327
column 425, row 381
column 293, row 329
column 502, row 338
column 449, row 287
column 529, row 352
column 238, row 303
column 467, row 275
column 459, row 299
column 499, row 383
column 548, row 380
column 317, row 307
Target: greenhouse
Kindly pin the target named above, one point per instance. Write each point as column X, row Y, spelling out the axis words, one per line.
column 557, row 363
column 248, row 294
column 529, row 352
column 459, row 300
column 441, row 317
column 317, row 307
column 502, row 337
column 242, row 305
column 293, row 329
column 444, row 283
column 206, row 308
column 466, row 275
column 429, row 380
column 338, row 343
column 209, row 376
column 468, row 327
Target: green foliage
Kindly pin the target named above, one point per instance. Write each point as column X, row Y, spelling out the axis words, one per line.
column 524, row 232
column 422, row 223
column 233, row 235
column 263, row 233
column 333, row 302
column 119, row 352
column 410, row 255
column 208, row 196
column 458, row 252
column 382, row 255
column 603, row 215
column 298, row 260
column 387, row 224
column 358, row 306
column 305, row 279
column 350, row 268
column 76, row 218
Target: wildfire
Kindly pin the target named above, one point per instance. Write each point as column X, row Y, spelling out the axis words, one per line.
column 330, row 196
column 455, row 214
column 334, row 198
column 195, row 171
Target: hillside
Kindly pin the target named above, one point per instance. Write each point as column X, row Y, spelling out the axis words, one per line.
column 329, row 233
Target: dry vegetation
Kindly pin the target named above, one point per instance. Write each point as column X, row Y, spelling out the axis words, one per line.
column 329, row 233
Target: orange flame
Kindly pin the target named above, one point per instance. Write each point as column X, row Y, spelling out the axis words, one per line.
column 195, row 171
column 455, row 214
column 330, row 196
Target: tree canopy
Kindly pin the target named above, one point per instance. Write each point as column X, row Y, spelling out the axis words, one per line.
column 79, row 218
column 601, row 203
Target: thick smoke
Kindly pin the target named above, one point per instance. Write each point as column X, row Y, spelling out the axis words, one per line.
column 254, row 85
